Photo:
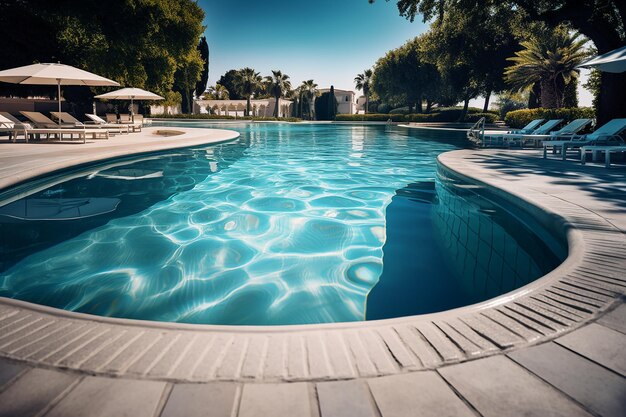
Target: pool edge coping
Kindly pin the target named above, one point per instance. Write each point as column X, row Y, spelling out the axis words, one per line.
column 576, row 243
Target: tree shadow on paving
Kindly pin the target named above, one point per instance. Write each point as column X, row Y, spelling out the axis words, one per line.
column 606, row 185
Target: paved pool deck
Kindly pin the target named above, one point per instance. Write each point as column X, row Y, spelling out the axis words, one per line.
column 556, row 347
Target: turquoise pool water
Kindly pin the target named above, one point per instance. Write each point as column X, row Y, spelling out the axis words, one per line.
column 290, row 224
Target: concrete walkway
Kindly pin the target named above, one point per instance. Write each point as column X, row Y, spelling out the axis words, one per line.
column 554, row 347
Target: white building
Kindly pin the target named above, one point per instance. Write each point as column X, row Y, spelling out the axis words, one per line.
column 346, row 103
column 260, row 108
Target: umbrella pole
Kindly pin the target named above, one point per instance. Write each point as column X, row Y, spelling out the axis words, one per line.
column 59, row 96
column 132, row 110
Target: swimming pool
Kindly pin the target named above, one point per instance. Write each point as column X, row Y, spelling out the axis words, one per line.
column 290, row 224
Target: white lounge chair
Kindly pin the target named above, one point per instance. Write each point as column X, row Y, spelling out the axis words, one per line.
column 25, row 129
column 609, row 132
column 100, row 122
column 68, row 119
column 596, row 150
column 43, row 122
column 568, row 131
column 505, row 139
column 126, row 119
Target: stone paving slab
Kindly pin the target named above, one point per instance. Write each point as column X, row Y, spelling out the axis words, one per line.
column 201, row 400
column 600, row 344
column 419, row 393
column 8, row 371
column 615, row 319
column 596, row 388
column 34, row 392
column 498, row 387
column 106, row 397
column 345, row 399
column 263, row 400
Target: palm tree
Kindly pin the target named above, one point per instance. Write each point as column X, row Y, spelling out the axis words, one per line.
column 549, row 59
column 277, row 84
column 363, row 83
column 309, row 89
column 219, row 92
column 248, row 82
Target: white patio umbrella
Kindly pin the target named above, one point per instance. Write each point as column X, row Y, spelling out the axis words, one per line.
column 613, row 61
column 131, row 94
column 53, row 74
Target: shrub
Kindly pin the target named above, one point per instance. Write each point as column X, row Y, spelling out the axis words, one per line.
column 520, row 118
column 223, row 117
column 474, row 117
column 383, row 108
column 400, row 110
column 370, row 117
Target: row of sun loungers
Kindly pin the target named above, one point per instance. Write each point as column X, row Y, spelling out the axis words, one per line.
column 605, row 139
column 40, row 125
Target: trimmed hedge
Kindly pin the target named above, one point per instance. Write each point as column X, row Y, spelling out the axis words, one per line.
column 223, row 117
column 520, row 118
column 447, row 117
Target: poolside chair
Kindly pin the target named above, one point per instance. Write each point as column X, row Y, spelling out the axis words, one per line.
column 16, row 128
column 126, row 119
column 605, row 135
column 569, row 130
column 529, row 128
column 69, row 119
column 517, row 139
column 111, row 117
column 100, row 122
column 39, row 120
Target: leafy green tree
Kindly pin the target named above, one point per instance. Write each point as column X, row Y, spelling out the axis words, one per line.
column 186, row 77
column 549, row 58
column 203, row 48
column 602, row 21
column 362, row 82
column 332, row 103
column 248, row 82
column 217, row 92
column 309, row 92
column 137, row 43
column 277, row 84
column 324, row 106
column 229, row 81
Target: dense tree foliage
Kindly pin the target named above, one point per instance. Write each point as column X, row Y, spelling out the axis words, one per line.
column 324, row 106
column 550, row 58
column 248, row 82
column 229, row 82
column 277, row 84
column 362, row 82
column 139, row 43
column 203, row 49
column 602, row 21
column 308, row 93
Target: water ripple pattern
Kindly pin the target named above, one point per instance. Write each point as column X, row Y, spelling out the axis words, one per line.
column 285, row 227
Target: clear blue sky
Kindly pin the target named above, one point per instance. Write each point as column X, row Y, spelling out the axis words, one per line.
column 329, row 41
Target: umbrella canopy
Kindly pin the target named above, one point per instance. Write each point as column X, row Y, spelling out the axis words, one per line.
column 613, row 61
column 130, row 94
column 53, row 74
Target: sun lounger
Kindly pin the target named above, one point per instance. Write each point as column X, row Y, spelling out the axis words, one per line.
column 568, row 131
column 506, row 139
column 39, row 120
column 69, row 119
column 100, row 122
column 111, row 117
column 126, row 119
column 9, row 123
column 25, row 129
column 603, row 136
column 596, row 150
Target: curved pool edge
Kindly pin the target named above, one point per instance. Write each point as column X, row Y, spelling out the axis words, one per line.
column 543, row 310
column 26, row 161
